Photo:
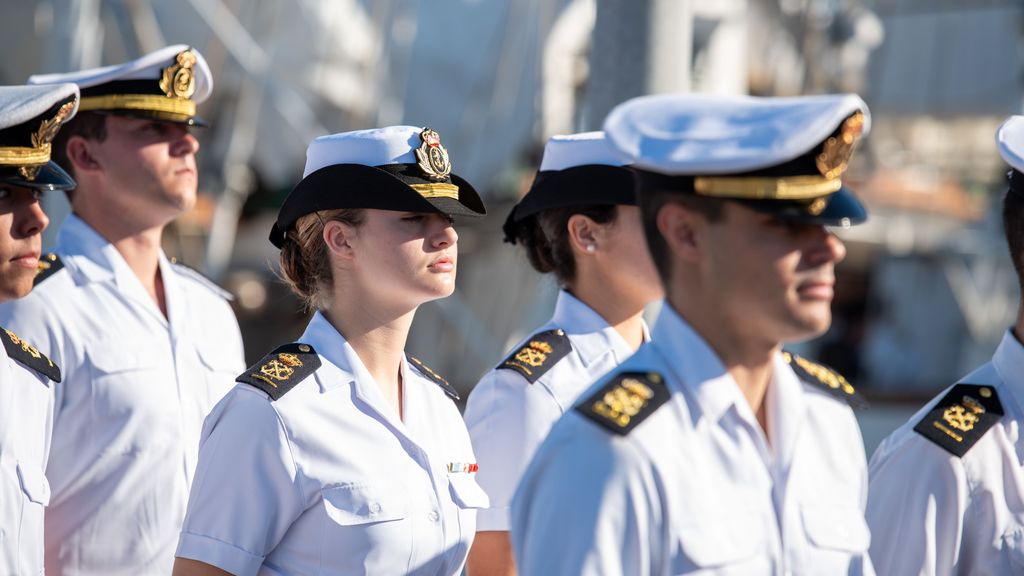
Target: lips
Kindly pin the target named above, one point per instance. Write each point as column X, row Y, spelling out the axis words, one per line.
column 442, row 264
column 29, row 260
column 817, row 289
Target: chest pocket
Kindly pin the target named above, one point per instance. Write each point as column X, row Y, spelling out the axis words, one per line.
column 466, row 492
column 132, row 392
column 355, row 504
column 833, row 527
column 34, row 484
column 219, row 371
column 719, row 541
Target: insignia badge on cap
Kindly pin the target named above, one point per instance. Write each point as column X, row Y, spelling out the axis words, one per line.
column 432, row 156
column 625, row 401
column 178, row 80
column 42, row 138
column 837, row 150
column 961, row 418
column 538, row 354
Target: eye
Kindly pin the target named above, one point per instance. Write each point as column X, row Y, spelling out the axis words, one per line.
column 5, row 193
column 413, row 217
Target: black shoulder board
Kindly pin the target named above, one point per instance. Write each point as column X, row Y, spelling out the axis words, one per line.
column 961, row 418
column 279, row 371
column 199, row 277
column 29, row 355
column 825, row 377
column 538, row 354
column 433, row 377
column 49, row 264
column 625, row 401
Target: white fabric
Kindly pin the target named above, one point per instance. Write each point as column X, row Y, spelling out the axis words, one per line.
column 934, row 513
column 1010, row 139
column 130, row 409
column 147, row 67
column 19, row 104
column 374, row 147
column 508, row 417
column 693, row 134
column 26, row 417
column 567, row 151
column 695, row 488
column 328, row 480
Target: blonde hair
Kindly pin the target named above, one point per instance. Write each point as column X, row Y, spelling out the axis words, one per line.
column 305, row 261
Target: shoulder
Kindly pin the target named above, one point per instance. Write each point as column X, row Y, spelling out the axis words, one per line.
column 961, row 417
column 196, row 278
column 26, row 354
column 825, row 378
column 280, row 371
column 428, row 373
column 624, row 399
column 538, row 354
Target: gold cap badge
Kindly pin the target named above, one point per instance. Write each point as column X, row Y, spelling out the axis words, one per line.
column 836, row 153
column 432, row 156
column 178, row 80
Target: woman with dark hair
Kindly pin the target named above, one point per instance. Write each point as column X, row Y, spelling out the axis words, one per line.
column 338, row 453
column 579, row 221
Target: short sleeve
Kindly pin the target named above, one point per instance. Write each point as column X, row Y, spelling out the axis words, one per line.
column 589, row 504
column 917, row 503
column 246, row 491
column 507, row 418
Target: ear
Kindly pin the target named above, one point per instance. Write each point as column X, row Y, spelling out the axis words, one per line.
column 338, row 236
column 79, row 153
column 584, row 234
column 681, row 229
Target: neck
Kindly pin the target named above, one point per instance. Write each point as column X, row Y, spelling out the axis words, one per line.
column 378, row 337
column 1018, row 327
column 621, row 312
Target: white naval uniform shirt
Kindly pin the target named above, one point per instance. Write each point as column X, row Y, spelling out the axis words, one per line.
column 26, row 416
column 508, row 417
column 130, row 409
column 328, row 480
column 695, row 488
column 932, row 512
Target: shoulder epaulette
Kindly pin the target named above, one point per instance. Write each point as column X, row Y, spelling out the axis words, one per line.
column 49, row 264
column 279, row 371
column 538, row 354
column 626, row 400
column 433, row 377
column 961, row 418
column 825, row 377
column 28, row 355
column 199, row 277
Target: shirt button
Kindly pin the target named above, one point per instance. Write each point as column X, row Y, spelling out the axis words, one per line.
column 434, row 516
column 374, row 508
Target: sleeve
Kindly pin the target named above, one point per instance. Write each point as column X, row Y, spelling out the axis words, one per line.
column 917, row 503
column 507, row 419
column 590, row 506
column 246, row 492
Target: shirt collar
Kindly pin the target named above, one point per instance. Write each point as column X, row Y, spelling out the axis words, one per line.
column 592, row 337
column 329, row 343
column 83, row 248
column 1008, row 361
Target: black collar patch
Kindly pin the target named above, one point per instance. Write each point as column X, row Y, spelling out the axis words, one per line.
column 626, row 400
column 49, row 264
column 538, row 354
column 29, row 356
column 433, row 377
column 961, row 418
column 279, row 371
column 827, row 378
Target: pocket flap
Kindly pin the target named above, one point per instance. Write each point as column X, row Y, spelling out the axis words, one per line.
column 466, row 492
column 717, row 543
column 33, row 483
column 836, row 526
column 353, row 504
column 110, row 358
column 216, row 360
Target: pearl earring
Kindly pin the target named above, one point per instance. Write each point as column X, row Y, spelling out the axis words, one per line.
column 591, row 248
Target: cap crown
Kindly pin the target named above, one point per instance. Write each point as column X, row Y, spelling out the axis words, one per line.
column 571, row 150
column 30, row 117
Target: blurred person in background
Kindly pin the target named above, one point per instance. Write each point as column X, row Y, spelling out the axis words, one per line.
column 338, row 453
column 711, row 450
column 579, row 222
column 30, row 117
column 147, row 346
column 947, row 487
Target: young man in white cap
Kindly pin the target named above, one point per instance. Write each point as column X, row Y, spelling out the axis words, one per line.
column 147, row 346
column 30, row 117
column 711, row 449
column 947, row 488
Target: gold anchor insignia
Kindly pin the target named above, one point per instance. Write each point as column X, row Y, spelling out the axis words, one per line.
column 277, row 370
column 42, row 138
column 432, row 156
column 178, row 80
column 25, row 346
column 535, row 353
column 963, row 416
column 621, row 403
column 835, row 154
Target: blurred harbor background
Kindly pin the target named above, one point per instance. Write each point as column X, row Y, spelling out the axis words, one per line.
column 927, row 289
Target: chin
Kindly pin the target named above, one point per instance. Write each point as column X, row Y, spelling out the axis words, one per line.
column 14, row 288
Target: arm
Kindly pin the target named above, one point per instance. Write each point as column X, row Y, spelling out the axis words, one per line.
column 491, row 555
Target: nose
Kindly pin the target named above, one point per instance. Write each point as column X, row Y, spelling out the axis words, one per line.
column 446, row 235
column 828, row 248
column 185, row 143
column 31, row 220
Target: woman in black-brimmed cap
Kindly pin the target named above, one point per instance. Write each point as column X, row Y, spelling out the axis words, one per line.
column 339, row 454
column 579, row 222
